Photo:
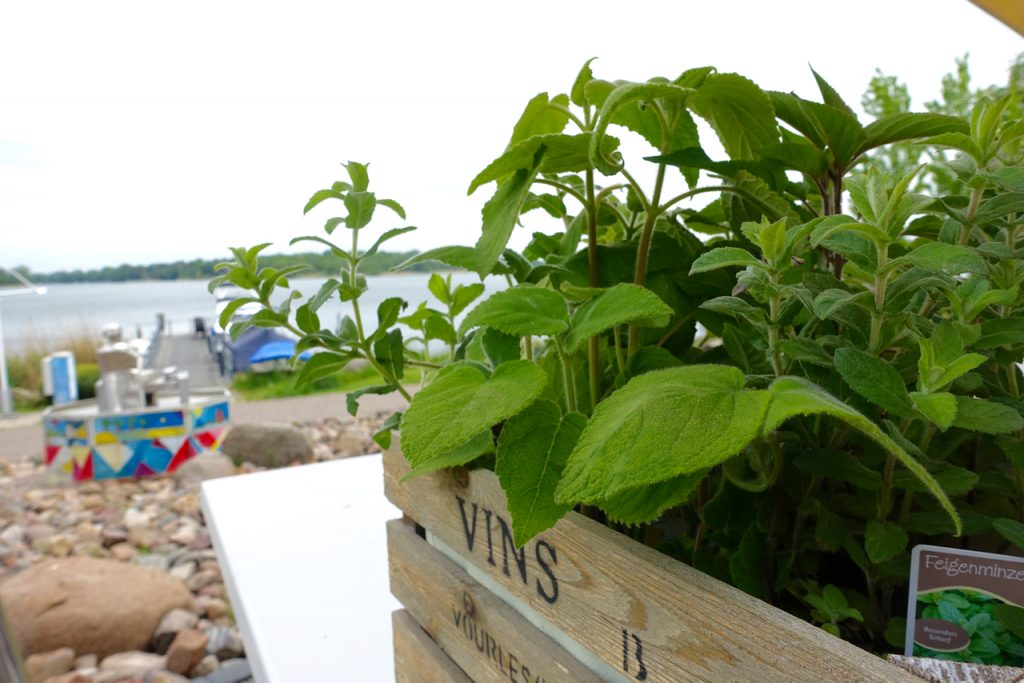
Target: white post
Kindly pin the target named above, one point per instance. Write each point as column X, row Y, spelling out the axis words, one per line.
column 5, row 390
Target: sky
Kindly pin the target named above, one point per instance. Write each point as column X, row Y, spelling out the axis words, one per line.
column 145, row 132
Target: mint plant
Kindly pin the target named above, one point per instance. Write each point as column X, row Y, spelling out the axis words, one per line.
column 755, row 385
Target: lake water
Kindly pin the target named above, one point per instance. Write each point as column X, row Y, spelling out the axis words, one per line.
column 68, row 309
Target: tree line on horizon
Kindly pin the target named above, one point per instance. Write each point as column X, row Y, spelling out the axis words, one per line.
column 203, row 269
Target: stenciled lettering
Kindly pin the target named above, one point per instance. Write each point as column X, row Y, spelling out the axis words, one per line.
column 544, row 554
column 503, row 659
column 470, row 535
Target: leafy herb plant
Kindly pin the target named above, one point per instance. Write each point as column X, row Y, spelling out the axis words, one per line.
column 784, row 386
column 995, row 628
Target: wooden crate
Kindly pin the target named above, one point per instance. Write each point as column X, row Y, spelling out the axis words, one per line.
column 582, row 602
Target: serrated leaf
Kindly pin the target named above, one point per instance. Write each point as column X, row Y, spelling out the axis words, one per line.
column 829, row 95
column 352, row 397
column 388, row 235
column 1001, row 332
column 561, row 154
column 321, row 365
column 463, row 401
column 306, row 319
column 940, row 408
column 319, row 197
column 578, row 93
column 875, row 380
column 625, row 94
column 360, row 207
column 394, row 206
column 739, row 112
column 359, row 174
column 455, row 256
column 939, row 257
column 461, row 455
column 1011, row 530
column 999, row 206
column 388, row 312
column 499, row 347
column 792, row 396
column 542, row 116
column 735, row 307
column 532, row 450
column 389, row 352
column 724, row 257
column 647, row 503
column 806, row 351
column 908, row 126
column 335, row 249
column 323, row 294
column 884, row 541
column 956, row 481
column 382, row 437
column 232, row 306
column 500, row 214
column 521, row 310
column 625, row 444
column 439, row 288
column 619, row 305
column 831, row 300
column 987, row 417
column 464, row 295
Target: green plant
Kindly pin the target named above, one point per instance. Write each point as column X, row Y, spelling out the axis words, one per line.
column 764, row 372
column 994, row 627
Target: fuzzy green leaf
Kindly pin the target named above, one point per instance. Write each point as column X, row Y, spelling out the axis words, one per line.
column 500, row 214
column 619, row 305
column 987, row 417
column 625, row 444
column 360, row 207
column 542, row 116
column 739, row 112
column 875, row 380
column 532, row 451
column 578, row 92
column 884, row 541
column 908, row 126
column 1011, row 530
column 461, row 455
column 521, row 310
column 463, row 401
column 939, row 257
column 561, row 154
column 940, row 408
column 647, row 503
column 724, row 257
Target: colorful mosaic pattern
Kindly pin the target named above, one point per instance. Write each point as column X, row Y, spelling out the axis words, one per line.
column 133, row 444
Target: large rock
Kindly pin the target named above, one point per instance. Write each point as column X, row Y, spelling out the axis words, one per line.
column 90, row 605
column 267, row 445
column 203, row 467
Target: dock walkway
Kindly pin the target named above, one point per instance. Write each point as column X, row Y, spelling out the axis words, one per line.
column 189, row 352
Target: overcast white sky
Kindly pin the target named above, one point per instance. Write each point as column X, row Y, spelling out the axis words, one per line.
column 142, row 132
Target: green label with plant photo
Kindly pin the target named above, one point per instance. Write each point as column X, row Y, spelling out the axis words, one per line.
column 966, row 606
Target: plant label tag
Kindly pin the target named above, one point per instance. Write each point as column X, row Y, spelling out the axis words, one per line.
column 966, row 606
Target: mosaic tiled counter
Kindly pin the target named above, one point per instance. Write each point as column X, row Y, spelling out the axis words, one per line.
column 136, row 443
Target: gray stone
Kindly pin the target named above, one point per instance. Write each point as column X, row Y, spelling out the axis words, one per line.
column 224, row 643
column 230, row 671
column 267, row 445
column 172, row 623
column 153, row 561
column 14, row 534
column 203, row 467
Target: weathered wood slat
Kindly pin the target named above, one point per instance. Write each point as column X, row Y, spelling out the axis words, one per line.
column 481, row 635
column 638, row 611
column 418, row 659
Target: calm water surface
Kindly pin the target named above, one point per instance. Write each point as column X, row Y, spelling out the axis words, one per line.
column 67, row 309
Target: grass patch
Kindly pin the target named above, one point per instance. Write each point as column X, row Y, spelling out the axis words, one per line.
column 257, row 386
column 24, row 369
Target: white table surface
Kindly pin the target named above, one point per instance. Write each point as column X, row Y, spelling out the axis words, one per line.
column 304, row 558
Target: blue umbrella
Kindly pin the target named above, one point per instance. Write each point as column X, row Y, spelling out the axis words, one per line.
column 276, row 350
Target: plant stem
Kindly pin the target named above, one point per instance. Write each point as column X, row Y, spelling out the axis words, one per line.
column 885, row 497
column 972, row 208
column 570, row 388
column 528, row 347
column 619, row 360
column 774, row 305
column 593, row 348
column 643, row 250
column 564, row 188
column 881, row 284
